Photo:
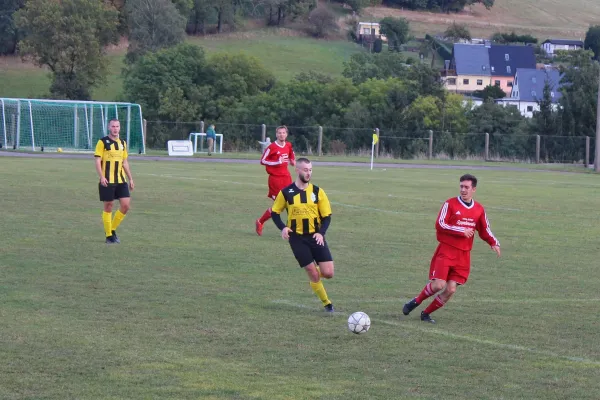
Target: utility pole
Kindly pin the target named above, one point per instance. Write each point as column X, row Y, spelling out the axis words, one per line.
column 597, row 157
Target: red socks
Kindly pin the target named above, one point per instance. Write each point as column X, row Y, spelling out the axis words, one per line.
column 425, row 294
column 437, row 303
column 265, row 217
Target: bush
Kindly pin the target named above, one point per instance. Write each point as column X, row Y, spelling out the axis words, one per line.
column 323, row 22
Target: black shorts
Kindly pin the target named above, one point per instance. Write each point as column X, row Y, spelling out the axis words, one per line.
column 113, row 191
column 306, row 250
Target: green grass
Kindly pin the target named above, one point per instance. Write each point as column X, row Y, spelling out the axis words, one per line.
column 285, row 56
column 542, row 18
column 194, row 305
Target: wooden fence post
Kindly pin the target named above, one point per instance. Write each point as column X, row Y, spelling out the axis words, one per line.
column 320, row 144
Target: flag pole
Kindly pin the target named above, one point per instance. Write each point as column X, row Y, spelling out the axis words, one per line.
column 372, row 152
column 373, row 143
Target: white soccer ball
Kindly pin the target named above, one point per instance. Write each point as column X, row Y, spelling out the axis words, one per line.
column 359, row 322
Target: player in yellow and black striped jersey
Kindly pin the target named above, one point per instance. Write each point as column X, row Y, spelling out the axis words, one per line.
column 308, row 218
column 112, row 166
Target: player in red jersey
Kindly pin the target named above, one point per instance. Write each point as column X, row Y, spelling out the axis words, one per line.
column 276, row 159
column 455, row 228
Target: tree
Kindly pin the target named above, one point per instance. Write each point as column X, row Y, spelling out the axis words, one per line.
column 323, row 21
column 279, row 10
column 396, row 30
column 357, row 5
column 153, row 24
column 592, row 41
column 69, row 38
column 580, row 94
column 457, row 32
column 199, row 14
column 9, row 34
column 490, row 92
column 544, row 120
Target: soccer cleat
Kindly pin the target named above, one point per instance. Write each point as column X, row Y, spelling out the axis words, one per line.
column 111, row 240
column 114, row 235
column 408, row 307
column 329, row 308
column 259, row 227
column 426, row 318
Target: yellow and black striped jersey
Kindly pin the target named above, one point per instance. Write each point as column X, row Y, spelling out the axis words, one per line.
column 305, row 208
column 112, row 153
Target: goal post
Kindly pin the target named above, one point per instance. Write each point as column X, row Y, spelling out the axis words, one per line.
column 33, row 124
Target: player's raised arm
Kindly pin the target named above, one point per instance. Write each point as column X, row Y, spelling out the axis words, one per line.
column 442, row 223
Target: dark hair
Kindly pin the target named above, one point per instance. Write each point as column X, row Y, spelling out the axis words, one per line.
column 303, row 160
column 469, row 177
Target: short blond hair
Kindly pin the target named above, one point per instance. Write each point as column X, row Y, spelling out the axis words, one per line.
column 282, row 127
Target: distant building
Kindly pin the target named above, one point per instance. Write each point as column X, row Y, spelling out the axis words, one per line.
column 369, row 30
column 528, row 90
column 550, row 46
column 475, row 66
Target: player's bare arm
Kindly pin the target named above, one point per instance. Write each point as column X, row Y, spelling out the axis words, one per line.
column 128, row 172
column 103, row 180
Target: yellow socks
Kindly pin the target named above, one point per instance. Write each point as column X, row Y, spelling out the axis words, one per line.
column 319, row 290
column 117, row 220
column 107, row 220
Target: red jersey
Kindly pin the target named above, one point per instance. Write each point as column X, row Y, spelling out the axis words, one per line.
column 273, row 161
column 455, row 216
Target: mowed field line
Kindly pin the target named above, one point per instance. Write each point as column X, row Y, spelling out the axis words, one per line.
column 367, row 208
column 421, row 327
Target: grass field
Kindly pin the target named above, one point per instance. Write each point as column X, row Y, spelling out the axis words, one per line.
column 194, row 305
column 286, row 56
column 542, row 18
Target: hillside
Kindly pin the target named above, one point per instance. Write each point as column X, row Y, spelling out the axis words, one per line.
column 282, row 51
column 541, row 18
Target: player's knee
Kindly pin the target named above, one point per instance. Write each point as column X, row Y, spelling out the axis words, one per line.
column 450, row 290
column 437, row 285
column 108, row 206
column 124, row 208
column 327, row 274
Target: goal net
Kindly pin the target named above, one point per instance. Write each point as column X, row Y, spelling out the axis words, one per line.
column 32, row 124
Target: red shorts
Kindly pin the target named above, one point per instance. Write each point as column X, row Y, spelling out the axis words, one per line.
column 450, row 264
column 276, row 183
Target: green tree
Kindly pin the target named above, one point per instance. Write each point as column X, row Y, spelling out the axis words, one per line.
column 592, row 41
column 200, row 13
column 457, row 32
column 9, row 34
column 323, row 22
column 278, row 11
column 69, row 38
column 160, row 25
column 396, row 30
column 490, row 92
column 580, row 94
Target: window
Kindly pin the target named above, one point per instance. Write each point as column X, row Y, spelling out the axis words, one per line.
column 534, row 94
column 451, row 81
column 507, row 57
column 510, row 84
column 366, row 31
column 465, row 81
column 552, row 94
column 508, row 69
column 534, row 80
column 479, row 82
column 497, row 83
column 529, row 108
column 493, row 69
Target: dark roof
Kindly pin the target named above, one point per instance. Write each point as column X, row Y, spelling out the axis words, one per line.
column 530, row 83
column 471, row 59
column 505, row 59
column 565, row 42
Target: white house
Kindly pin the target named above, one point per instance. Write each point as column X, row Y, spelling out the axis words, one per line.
column 528, row 89
column 369, row 29
column 551, row 45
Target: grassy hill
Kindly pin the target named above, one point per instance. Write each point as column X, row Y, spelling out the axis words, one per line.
column 285, row 53
column 541, row 18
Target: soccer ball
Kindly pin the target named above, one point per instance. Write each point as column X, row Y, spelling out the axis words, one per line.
column 359, row 322
column 59, row 150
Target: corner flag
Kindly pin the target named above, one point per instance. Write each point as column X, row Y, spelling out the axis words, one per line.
column 375, row 138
